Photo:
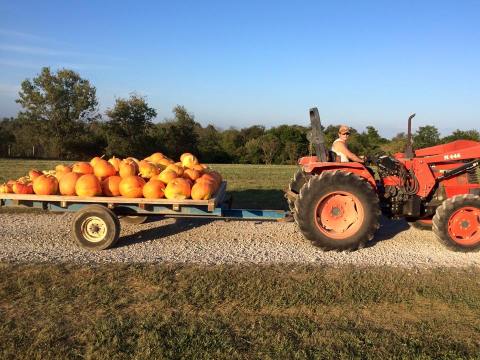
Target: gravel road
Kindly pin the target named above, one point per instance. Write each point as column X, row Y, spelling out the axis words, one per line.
column 41, row 237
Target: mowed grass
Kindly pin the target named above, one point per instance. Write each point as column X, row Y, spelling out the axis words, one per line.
column 233, row 312
column 289, row 311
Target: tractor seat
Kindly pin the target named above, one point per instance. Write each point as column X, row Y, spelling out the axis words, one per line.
column 332, row 156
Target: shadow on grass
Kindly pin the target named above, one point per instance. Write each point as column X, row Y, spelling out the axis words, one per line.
column 271, row 199
column 162, row 231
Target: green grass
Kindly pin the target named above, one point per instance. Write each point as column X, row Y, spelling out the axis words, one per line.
column 276, row 312
column 269, row 312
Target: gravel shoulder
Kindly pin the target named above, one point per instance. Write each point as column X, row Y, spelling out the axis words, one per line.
column 41, row 237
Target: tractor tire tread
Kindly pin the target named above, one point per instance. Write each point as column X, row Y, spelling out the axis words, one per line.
column 331, row 180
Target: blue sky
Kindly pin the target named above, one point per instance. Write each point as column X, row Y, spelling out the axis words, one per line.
column 259, row 62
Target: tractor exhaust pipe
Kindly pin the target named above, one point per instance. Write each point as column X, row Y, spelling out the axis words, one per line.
column 409, row 148
column 316, row 136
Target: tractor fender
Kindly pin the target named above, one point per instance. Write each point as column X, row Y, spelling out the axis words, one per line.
column 316, row 168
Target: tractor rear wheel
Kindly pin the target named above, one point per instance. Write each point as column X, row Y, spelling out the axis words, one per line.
column 299, row 179
column 337, row 210
column 457, row 222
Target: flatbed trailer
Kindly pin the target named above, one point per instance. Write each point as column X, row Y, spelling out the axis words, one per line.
column 96, row 225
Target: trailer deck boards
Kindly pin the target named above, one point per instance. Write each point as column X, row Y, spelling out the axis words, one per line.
column 141, row 205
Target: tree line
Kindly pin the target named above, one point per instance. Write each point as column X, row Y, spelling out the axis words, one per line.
column 59, row 118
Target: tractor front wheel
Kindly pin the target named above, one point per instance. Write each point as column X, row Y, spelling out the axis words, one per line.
column 457, row 222
column 337, row 210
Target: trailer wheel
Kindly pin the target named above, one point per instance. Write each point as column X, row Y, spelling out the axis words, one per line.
column 299, row 179
column 457, row 222
column 337, row 211
column 133, row 219
column 96, row 227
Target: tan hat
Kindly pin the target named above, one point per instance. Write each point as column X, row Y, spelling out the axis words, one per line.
column 343, row 129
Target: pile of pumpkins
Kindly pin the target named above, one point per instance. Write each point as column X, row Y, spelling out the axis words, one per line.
column 154, row 177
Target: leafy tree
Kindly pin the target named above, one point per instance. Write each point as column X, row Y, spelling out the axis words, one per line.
column 371, row 141
column 232, row 143
column 252, row 152
column 209, row 147
column 61, row 102
column 269, row 145
column 179, row 134
column 462, row 135
column 426, row 136
column 128, row 127
column 396, row 144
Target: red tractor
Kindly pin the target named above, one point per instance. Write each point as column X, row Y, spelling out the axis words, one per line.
column 337, row 205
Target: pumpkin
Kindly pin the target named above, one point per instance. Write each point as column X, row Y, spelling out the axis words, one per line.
column 154, row 189
column 22, row 186
column 45, row 185
column 203, row 190
column 88, row 185
column 5, row 189
column 33, row 173
column 115, row 162
column 128, row 168
column 189, row 160
column 155, row 158
column 95, row 160
column 167, row 175
column 198, row 168
column 184, row 155
column 147, row 169
column 165, row 161
column 132, row 186
column 178, row 189
column 103, row 169
column 66, row 185
column 191, row 174
column 82, row 168
column 177, row 168
column 61, row 170
column 110, row 186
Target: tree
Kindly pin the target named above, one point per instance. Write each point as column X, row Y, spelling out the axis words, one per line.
column 128, row 126
column 180, row 133
column 7, row 137
column 269, row 145
column 209, row 147
column 371, row 141
column 426, row 136
column 462, row 135
column 396, row 145
column 61, row 102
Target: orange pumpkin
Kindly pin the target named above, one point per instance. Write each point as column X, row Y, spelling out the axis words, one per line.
column 82, row 168
column 199, row 168
column 132, row 186
column 110, row 186
column 95, row 160
column 5, row 189
column 156, row 157
column 191, row 174
column 45, row 185
column 88, row 185
column 178, row 189
column 167, row 175
column 203, row 190
column 115, row 162
column 147, row 169
column 34, row 173
column 67, row 183
column 165, row 161
column 61, row 170
column 128, row 168
column 103, row 169
column 184, row 155
column 154, row 189
column 177, row 168
column 189, row 161
column 22, row 187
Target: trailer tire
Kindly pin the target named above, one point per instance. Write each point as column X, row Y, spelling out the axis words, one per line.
column 95, row 227
column 299, row 179
column 457, row 222
column 337, row 210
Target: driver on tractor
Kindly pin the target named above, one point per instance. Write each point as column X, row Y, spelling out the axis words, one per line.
column 339, row 146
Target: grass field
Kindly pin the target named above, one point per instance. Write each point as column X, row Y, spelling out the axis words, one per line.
column 228, row 312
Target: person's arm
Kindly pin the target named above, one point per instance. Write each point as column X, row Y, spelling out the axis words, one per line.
column 340, row 146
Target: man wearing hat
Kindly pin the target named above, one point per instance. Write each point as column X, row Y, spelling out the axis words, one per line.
column 340, row 148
